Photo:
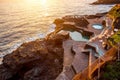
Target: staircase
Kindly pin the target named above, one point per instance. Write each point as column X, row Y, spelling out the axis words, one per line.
column 94, row 66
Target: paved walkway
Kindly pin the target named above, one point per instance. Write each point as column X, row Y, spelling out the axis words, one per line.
column 81, row 62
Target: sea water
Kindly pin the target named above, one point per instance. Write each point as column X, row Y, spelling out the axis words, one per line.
column 26, row 20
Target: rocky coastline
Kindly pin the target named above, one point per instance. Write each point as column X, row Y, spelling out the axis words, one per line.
column 58, row 56
column 106, row 2
column 40, row 57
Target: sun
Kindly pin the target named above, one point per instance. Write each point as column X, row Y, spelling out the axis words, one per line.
column 42, row 2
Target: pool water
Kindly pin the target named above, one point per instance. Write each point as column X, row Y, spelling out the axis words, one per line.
column 77, row 36
column 97, row 26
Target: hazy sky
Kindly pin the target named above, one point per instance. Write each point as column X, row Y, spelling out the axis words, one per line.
column 10, row 0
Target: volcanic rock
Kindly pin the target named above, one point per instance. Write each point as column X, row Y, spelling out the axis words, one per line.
column 107, row 2
column 36, row 60
column 58, row 21
column 79, row 21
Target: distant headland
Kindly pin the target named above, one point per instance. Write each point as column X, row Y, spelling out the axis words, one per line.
column 107, row 2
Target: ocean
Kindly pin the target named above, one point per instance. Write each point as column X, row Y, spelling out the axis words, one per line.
column 27, row 20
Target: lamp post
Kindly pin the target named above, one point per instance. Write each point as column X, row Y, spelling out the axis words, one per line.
column 90, row 60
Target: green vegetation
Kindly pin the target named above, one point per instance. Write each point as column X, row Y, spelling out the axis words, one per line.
column 111, row 71
column 115, row 12
column 114, row 39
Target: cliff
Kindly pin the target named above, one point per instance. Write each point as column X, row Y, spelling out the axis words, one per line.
column 36, row 60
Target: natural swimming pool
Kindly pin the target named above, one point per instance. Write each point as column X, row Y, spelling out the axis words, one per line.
column 97, row 26
column 77, row 36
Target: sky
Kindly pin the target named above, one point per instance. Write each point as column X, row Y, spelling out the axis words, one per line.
column 10, row 0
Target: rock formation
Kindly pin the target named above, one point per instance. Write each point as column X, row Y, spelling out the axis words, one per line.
column 107, row 2
column 36, row 60
column 58, row 21
column 79, row 20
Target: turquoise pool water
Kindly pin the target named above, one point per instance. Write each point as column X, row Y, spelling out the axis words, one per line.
column 77, row 36
column 97, row 26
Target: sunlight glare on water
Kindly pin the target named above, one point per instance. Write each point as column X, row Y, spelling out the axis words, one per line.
column 26, row 20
